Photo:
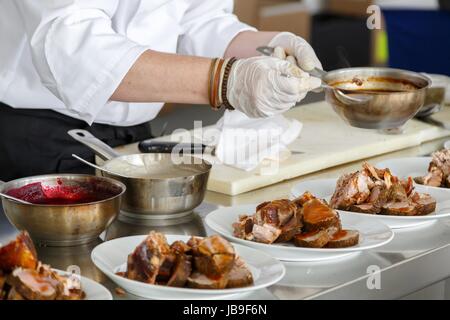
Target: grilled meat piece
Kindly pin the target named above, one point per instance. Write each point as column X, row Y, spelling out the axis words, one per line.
column 441, row 160
column 300, row 201
column 351, row 189
column 276, row 213
column 181, row 271
column 265, row 233
column 313, row 239
column 317, row 215
column 397, row 193
column 14, row 295
column 18, row 253
column 244, row 227
column 435, row 177
column 148, row 257
column 424, row 203
column 239, row 276
column 214, row 256
column 404, row 208
column 33, row 285
column 198, row 280
column 291, row 228
column 179, row 247
column 344, row 239
column 368, row 208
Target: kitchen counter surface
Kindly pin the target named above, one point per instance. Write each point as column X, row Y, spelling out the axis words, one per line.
column 415, row 259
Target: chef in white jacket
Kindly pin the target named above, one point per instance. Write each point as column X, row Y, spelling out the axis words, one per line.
column 109, row 65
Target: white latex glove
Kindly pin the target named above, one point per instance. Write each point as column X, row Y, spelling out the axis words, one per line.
column 264, row 86
column 297, row 47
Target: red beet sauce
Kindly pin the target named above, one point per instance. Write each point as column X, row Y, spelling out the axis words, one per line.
column 80, row 193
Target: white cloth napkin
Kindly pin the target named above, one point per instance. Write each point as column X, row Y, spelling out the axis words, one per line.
column 244, row 143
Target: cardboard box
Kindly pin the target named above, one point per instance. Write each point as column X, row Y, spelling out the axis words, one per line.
column 290, row 16
column 357, row 8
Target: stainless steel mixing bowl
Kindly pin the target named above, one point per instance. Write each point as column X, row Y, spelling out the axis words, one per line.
column 394, row 96
column 64, row 225
column 164, row 192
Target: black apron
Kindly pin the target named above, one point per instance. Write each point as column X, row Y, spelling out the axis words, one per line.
column 35, row 142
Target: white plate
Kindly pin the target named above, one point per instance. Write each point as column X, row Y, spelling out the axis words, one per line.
column 372, row 235
column 111, row 256
column 324, row 189
column 93, row 290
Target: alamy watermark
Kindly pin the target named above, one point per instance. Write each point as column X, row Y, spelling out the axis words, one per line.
column 374, row 279
column 374, row 21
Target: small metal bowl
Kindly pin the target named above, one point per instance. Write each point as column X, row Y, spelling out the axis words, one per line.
column 64, row 225
column 395, row 96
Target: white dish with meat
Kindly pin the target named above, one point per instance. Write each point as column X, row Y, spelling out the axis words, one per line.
column 93, row 290
column 111, row 258
column 371, row 235
column 325, row 188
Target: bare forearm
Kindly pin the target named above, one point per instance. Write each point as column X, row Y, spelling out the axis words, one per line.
column 163, row 77
column 245, row 43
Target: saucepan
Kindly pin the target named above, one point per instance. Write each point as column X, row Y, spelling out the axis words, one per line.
column 371, row 97
column 63, row 209
column 159, row 186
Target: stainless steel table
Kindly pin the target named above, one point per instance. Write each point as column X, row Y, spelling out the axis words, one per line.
column 415, row 259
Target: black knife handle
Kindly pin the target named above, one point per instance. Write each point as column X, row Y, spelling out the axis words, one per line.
column 149, row 146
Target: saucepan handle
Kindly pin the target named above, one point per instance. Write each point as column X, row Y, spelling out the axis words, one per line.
column 99, row 147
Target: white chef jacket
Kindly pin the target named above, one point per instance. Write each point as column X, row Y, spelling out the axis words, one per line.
column 71, row 55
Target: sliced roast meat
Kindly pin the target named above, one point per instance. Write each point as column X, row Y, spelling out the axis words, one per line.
column 14, row 295
column 317, row 215
column 344, row 239
column 145, row 261
column 181, row 272
column 305, row 197
column 434, row 178
column 32, row 285
column 244, row 227
column 408, row 185
column 240, row 275
column 18, row 253
column 276, row 213
column 265, row 233
column 397, row 193
column 198, row 280
column 165, row 270
column 369, row 208
column 441, row 160
column 290, row 229
column 214, row 256
column 404, row 208
column 180, row 247
column 351, row 189
column 313, row 239
column 424, row 203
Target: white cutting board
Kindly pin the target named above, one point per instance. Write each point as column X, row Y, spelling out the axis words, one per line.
column 326, row 142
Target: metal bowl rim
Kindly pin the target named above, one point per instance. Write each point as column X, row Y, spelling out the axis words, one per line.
column 110, row 180
column 206, row 171
column 418, row 75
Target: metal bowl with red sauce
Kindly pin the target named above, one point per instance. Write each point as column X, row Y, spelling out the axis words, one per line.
column 375, row 98
column 65, row 210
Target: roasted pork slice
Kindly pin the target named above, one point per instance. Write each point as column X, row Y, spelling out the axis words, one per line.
column 214, row 256
column 291, row 228
column 441, row 160
column 148, row 257
column 14, row 295
column 276, row 213
column 368, row 208
column 425, row 204
column 434, row 178
column 32, row 285
column 165, row 270
column 266, row 233
column 408, row 185
column 305, row 197
column 240, row 276
column 18, row 253
column 244, row 227
column 344, row 239
column 199, row 280
column 378, row 195
column 313, row 239
column 317, row 215
column 404, row 208
column 180, row 247
column 181, row 271
column 397, row 193
column 351, row 189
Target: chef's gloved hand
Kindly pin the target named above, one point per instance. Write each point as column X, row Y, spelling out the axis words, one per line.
column 265, row 86
column 295, row 49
